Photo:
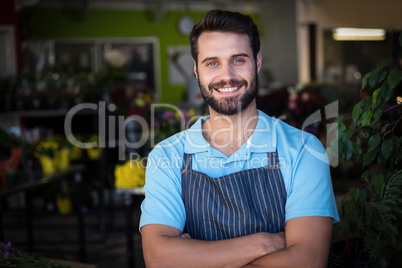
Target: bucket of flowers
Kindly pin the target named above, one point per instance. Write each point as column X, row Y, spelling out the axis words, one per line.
column 45, row 151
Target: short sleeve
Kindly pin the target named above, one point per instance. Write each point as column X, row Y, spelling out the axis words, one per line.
column 163, row 203
column 311, row 192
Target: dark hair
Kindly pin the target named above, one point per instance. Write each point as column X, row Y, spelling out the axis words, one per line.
column 225, row 21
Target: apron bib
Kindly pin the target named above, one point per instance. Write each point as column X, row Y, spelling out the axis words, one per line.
column 233, row 205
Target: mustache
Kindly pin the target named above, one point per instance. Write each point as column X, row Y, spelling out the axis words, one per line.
column 231, row 83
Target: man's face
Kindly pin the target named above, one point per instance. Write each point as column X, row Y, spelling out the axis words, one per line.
column 227, row 72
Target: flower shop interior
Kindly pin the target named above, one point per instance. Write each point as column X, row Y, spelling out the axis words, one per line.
column 88, row 87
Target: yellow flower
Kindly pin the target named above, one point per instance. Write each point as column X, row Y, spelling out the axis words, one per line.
column 47, row 147
column 147, row 98
column 399, row 100
column 93, row 138
column 191, row 113
column 76, row 153
column 177, row 115
column 139, row 102
column 94, row 153
column 130, row 174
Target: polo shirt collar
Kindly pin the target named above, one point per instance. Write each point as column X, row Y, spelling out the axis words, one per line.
column 262, row 140
column 194, row 140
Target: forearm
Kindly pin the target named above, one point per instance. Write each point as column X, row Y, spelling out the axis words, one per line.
column 164, row 246
column 182, row 252
column 295, row 256
column 307, row 245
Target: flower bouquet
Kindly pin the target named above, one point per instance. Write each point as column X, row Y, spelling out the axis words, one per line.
column 130, row 174
column 53, row 154
column 45, row 151
column 96, row 152
column 168, row 123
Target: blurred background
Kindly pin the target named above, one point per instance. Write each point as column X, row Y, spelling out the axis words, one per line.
column 123, row 56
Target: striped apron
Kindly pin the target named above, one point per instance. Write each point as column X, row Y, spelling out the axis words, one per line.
column 233, row 205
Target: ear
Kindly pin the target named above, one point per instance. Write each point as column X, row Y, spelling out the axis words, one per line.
column 195, row 69
column 259, row 61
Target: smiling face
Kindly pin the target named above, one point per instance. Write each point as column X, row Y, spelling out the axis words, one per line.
column 227, row 71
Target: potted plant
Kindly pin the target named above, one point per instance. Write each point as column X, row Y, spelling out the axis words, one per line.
column 372, row 139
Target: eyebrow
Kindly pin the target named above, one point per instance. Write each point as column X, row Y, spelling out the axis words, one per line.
column 233, row 56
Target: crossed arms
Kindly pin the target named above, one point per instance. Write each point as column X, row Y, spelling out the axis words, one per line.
column 305, row 243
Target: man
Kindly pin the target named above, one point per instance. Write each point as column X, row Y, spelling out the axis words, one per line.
column 246, row 187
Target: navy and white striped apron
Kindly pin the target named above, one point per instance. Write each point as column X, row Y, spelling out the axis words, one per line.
column 233, row 205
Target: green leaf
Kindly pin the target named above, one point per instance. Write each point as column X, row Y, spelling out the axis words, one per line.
column 366, row 101
column 349, row 207
column 386, row 148
column 374, row 141
column 383, row 75
column 363, row 195
column 341, row 228
column 386, row 91
column 354, row 224
column 366, row 118
column 349, row 150
column 373, row 80
column 347, row 134
column 394, row 78
column 364, row 81
column 354, row 192
column 357, row 149
column 357, row 111
column 384, row 128
column 380, row 159
column 334, row 126
column 369, row 157
column 376, row 93
column 365, row 176
column 340, row 147
column 342, row 128
column 384, row 64
column 378, row 183
column 339, row 119
column 377, row 114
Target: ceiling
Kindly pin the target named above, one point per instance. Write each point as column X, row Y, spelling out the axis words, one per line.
column 249, row 5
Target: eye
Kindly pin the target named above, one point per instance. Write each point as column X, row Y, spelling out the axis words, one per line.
column 239, row 61
column 212, row 64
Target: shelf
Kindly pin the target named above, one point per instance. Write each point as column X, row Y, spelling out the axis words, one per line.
column 46, row 113
column 43, row 181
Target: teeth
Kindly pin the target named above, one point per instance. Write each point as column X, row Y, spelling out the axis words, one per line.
column 227, row 89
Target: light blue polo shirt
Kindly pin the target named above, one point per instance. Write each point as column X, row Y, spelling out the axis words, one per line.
column 302, row 158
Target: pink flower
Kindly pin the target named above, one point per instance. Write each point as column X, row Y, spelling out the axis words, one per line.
column 305, row 96
column 168, row 115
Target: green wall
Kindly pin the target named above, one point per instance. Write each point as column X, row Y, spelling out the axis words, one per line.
column 70, row 23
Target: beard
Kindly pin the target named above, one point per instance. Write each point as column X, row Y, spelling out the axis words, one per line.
column 230, row 105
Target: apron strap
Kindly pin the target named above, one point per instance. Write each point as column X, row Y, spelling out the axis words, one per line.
column 273, row 161
column 187, row 162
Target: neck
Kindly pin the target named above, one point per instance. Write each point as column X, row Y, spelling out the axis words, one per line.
column 228, row 133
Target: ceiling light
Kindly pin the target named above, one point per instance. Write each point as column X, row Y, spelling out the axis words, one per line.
column 358, row 34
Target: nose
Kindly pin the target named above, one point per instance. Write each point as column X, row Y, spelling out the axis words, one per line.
column 227, row 72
